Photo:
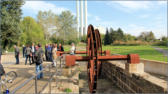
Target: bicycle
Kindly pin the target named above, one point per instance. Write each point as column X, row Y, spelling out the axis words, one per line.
column 7, row 78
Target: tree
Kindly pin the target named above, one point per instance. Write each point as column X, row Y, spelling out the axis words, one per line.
column 58, row 27
column 112, row 35
column 120, row 34
column 107, row 38
column 116, row 35
column 10, row 18
column 147, row 36
column 128, row 37
column 151, row 36
column 164, row 38
column 31, row 32
column 49, row 22
column 66, row 28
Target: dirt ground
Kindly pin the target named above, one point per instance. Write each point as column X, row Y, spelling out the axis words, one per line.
column 75, row 78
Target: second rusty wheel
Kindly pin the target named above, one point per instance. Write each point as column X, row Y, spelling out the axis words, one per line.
column 93, row 47
column 92, row 66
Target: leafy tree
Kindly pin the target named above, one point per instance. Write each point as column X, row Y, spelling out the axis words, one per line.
column 10, row 18
column 49, row 22
column 58, row 27
column 120, row 34
column 31, row 31
column 129, row 37
column 147, row 36
column 66, row 29
column 116, row 35
column 151, row 36
column 164, row 38
column 107, row 38
column 111, row 35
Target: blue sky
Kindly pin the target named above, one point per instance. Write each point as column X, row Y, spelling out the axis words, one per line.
column 133, row 17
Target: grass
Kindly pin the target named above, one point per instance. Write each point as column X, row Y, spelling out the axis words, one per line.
column 163, row 47
column 145, row 52
column 67, row 47
column 68, row 90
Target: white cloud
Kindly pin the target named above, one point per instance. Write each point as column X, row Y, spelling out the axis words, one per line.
column 162, row 2
column 97, row 18
column 35, row 6
column 134, row 4
column 136, row 30
column 144, row 16
column 131, row 6
column 89, row 15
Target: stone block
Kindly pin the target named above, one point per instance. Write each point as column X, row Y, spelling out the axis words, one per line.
column 134, row 68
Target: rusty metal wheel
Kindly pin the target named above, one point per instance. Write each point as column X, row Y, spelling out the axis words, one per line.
column 99, row 51
column 92, row 66
column 93, row 48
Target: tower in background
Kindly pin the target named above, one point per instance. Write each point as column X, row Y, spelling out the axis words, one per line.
column 81, row 26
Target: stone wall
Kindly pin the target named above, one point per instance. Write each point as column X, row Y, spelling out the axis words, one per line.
column 129, row 83
column 155, row 67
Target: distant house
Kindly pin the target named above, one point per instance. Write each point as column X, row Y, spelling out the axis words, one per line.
column 102, row 30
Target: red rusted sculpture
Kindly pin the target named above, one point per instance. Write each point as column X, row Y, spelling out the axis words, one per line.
column 95, row 56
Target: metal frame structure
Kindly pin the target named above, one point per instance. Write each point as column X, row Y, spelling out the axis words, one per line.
column 95, row 56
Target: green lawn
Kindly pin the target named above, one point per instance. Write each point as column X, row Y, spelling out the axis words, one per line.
column 145, row 52
column 163, row 47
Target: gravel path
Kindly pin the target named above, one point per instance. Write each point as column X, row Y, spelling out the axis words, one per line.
column 165, row 52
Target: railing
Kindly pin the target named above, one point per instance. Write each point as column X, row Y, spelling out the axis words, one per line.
column 30, row 79
column 8, row 58
column 34, row 77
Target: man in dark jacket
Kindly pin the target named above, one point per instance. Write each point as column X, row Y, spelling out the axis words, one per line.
column 33, row 50
column 23, row 50
column 17, row 54
column 60, row 47
column 27, row 54
column 46, row 47
column 2, row 71
column 39, row 60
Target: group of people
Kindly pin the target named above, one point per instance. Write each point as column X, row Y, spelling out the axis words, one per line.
column 35, row 54
column 51, row 52
column 29, row 53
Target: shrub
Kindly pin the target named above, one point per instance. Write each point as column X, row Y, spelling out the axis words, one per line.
column 68, row 90
column 133, row 43
column 73, row 41
column 161, row 43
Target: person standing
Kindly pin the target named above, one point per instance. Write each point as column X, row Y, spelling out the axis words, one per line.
column 60, row 48
column 39, row 61
column 23, row 50
column 2, row 71
column 17, row 54
column 46, row 47
column 49, row 52
column 33, row 49
column 0, row 53
column 73, row 49
column 54, row 55
column 27, row 53
column 36, row 47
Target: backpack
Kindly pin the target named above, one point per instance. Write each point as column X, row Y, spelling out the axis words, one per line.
column 38, row 57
